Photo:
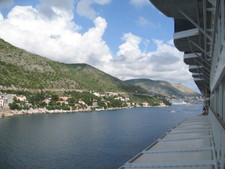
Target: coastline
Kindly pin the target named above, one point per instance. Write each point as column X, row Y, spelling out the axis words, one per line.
column 10, row 113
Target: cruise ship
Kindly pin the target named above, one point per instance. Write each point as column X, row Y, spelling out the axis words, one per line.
column 196, row 143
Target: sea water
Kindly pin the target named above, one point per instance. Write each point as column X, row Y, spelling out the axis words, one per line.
column 87, row 140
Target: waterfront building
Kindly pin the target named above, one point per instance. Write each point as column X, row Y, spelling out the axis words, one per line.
column 62, row 102
column 1, row 102
column 81, row 102
column 64, row 98
column 47, row 101
column 20, row 98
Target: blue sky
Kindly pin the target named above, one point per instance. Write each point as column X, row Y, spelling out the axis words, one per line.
column 125, row 38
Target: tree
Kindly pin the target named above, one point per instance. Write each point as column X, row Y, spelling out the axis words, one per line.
column 71, row 101
column 43, row 104
column 101, row 104
column 15, row 100
column 55, row 97
column 13, row 106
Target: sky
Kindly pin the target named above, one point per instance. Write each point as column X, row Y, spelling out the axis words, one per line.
column 128, row 39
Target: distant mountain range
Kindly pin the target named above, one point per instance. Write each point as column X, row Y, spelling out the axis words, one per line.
column 23, row 69
column 163, row 88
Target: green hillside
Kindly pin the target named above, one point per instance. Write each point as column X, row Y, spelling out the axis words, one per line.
column 163, row 88
column 23, row 69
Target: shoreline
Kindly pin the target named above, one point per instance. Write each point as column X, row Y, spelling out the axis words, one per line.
column 10, row 113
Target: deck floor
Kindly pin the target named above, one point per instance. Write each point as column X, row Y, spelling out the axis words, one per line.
column 187, row 146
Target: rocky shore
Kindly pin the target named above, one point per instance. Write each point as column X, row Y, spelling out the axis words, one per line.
column 9, row 113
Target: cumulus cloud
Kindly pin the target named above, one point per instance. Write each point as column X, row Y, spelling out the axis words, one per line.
column 166, row 62
column 1, row 17
column 65, row 4
column 129, row 51
column 57, row 37
column 84, row 7
column 51, row 8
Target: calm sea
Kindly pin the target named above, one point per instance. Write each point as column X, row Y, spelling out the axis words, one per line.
column 91, row 140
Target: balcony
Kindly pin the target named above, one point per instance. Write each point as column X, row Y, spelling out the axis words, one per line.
column 197, row 75
column 191, row 58
column 194, row 68
column 185, row 34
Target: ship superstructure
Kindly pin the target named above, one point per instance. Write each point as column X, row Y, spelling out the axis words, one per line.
column 199, row 32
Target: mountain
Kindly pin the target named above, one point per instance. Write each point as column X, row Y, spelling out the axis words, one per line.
column 163, row 88
column 23, row 69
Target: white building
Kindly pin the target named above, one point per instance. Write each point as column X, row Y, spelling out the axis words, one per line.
column 1, row 102
column 112, row 94
column 145, row 104
column 64, row 98
column 120, row 98
column 96, row 94
column 21, row 98
column 81, row 102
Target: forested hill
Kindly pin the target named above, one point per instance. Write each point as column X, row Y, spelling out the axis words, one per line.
column 23, row 69
column 163, row 88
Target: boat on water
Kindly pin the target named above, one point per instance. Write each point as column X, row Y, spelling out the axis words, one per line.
column 177, row 102
column 199, row 143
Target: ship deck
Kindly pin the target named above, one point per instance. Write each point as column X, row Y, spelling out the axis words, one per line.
column 188, row 145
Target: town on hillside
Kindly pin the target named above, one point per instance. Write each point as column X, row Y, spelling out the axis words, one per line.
column 26, row 102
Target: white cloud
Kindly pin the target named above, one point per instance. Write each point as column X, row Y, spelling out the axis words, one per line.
column 58, row 38
column 85, row 9
column 166, row 62
column 65, row 4
column 1, row 17
column 131, row 45
column 140, row 3
column 142, row 21
column 55, row 38
column 48, row 8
